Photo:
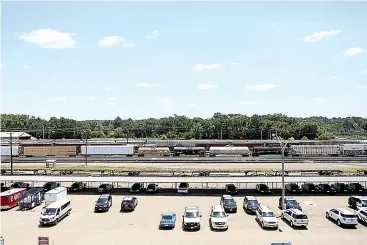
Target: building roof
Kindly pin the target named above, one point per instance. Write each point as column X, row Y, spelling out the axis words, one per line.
column 14, row 134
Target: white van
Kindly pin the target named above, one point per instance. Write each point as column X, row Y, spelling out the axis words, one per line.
column 54, row 212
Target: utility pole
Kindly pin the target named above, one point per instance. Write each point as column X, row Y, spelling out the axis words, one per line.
column 11, row 153
column 43, row 131
column 221, row 133
column 261, row 134
column 86, row 149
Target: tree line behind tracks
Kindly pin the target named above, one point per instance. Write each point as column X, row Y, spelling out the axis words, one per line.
column 219, row 126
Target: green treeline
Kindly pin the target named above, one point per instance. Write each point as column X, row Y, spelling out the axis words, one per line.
column 220, row 126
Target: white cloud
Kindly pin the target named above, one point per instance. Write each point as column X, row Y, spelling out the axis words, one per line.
column 111, row 41
column 25, row 67
column 253, row 102
column 201, row 67
column 261, row 87
column 112, row 99
column 318, row 36
column 206, row 86
column 364, row 72
column 333, row 72
column 153, row 35
column 47, row 38
column 56, row 99
column 354, row 51
column 112, row 103
column 112, row 88
column 164, row 99
column 319, row 99
column 191, row 105
column 146, row 84
column 274, row 24
column 362, row 87
column 92, row 98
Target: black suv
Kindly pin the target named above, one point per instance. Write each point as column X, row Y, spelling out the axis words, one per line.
column 77, row 186
column 325, row 189
column 250, row 204
column 228, row 203
column 50, row 185
column 20, row 185
column 309, row 188
column 136, row 187
column 104, row 188
column 289, row 202
column 356, row 188
column 341, row 187
column 263, row 189
column 152, row 188
column 129, row 203
column 357, row 202
column 103, row 203
column 231, row 189
column 293, row 188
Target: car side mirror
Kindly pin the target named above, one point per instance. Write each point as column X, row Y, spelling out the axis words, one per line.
column 201, row 215
column 182, row 216
column 41, row 212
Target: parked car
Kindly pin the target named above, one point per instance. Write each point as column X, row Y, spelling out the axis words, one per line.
column 153, row 188
column 103, row 203
column 191, row 218
column 289, row 203
column 218, row 218
column 50, row 185
column 362, row 215
column 356, row 188
column 309, row 188
column 263, row 189
column 137, row 187
column 228, row 204
column 293, row 188
column 250, row 204
column 357, row 201
column 231, row 189
column 295, row 217
column 55, row 212
column 129, row 203
column 281, row 243
column 105, row 188
column 326, row 189
column 168, row 220
column 77, row 186
column 183, row 188
column 266, row 217
column 341, row 187
column 342, row 216
column 20, row 185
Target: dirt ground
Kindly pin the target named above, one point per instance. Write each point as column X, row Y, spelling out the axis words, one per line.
column 84, row 227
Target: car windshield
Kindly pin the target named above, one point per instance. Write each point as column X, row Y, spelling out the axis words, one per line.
column 231, row 187
column 264, row 187
column 327, row 187
column 268, row 214
column 311, row 186
column 152, row 186
column 228, row 201
column 292, row 202
column 102, row 200
column 127, row 202
column 349, row 216
column 294, row 186
column 167, row 217
column 183, row 185
column 219, row 214
column 136, row 186
column 300, row 216
column 364, row 202
column 49, row 211
column 76, row 184
column 102, row 186
column 192, row 214
column 253, row 202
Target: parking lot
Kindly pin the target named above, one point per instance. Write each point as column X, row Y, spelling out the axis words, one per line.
column 84, row 227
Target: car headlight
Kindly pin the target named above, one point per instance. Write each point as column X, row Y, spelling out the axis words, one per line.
column 185, row 223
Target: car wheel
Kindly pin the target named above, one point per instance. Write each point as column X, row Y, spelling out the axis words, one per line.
column 339, row 223
column 56, row 221
column 327, row 216
column 292, row 224
column 68, row 213
column 262, row 225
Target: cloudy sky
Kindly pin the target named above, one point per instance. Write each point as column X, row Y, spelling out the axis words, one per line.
column 102, row 60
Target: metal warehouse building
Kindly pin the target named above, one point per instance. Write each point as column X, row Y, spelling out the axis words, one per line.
column 16, row 136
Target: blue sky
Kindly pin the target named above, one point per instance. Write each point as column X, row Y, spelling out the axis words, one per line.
column 101, row 60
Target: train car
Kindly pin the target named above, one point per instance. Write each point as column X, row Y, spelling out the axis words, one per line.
column 257, row 151
column 229, row 150
column 90, row 150
column 353, row 149
column 10, row 198
column 327, row 150
column 153, row 150
column 50, row 150
column 182, row 150
column 5, row 150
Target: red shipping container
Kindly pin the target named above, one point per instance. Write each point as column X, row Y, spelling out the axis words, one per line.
column 11, row 197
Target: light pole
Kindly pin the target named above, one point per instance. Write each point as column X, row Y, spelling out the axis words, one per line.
column 283, row 145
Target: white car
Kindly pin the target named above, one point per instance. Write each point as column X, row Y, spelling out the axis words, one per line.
column 362, row 214
column 295, row 217
column 218, row 218
column 266, row 217
column 183, row 188
column 191, row 218
column 342, row 216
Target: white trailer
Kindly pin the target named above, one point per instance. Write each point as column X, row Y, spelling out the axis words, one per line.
column 229, row 150
column 127, row 150
column 54, row 195
column 354, row 149
column 5, row 150
column 331, row 150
